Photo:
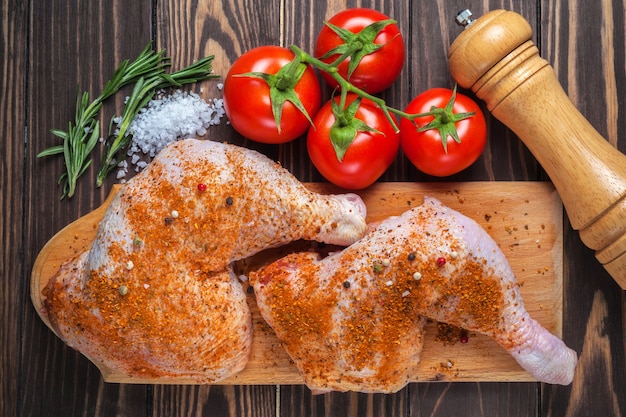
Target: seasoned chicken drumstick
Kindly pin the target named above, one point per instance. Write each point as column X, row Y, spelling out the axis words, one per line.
column 351, row 321
column 155, row 296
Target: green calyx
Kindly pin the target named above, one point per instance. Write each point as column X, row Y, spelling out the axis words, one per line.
column 444, row 120
column 356, row 45
column 282, row 88
column 346, row 126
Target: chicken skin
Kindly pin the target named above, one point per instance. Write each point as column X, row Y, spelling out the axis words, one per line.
column 352, row 320
column 156, row 295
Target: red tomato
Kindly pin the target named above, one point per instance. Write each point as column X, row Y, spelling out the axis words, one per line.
column 247, row 99
column 427, row 149
column 366, row 158
column 376, row 70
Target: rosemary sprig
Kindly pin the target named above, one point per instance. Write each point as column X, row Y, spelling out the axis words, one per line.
column 143, row 92
column 83, row 132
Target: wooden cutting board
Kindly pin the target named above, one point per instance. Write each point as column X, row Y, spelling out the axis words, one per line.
column 525, row 219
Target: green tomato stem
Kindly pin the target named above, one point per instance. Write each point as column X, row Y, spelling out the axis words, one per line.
column 443, row 119
column 345, row 85
column 444, row 116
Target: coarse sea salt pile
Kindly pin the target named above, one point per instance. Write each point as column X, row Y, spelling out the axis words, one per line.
column 166, row 119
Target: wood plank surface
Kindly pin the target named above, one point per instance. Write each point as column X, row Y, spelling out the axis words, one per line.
column 524, row 218
column 13, row 20
column 596, row 35
column 49, row 49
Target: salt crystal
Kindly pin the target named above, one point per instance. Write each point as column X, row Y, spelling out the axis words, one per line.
column 167, row 119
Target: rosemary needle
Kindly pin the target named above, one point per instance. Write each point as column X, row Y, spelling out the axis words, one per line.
column 83, row 132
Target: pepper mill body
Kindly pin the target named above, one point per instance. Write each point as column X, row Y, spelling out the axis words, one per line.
column 495, row 58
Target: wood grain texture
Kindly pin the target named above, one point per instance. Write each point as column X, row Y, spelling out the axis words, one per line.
column 13, row 18
column 73, row 44
column 447, row 399
column 49, row 48
column 204, row 400
column 297, row 401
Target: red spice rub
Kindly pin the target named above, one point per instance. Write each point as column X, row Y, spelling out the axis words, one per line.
column 354, row 320
column 156, row 295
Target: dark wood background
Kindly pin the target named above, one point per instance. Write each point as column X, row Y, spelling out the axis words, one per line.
column 50, row 48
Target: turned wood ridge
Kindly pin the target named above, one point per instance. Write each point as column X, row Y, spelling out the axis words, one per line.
column 495, row 58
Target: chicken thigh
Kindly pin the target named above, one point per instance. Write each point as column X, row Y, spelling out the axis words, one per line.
column 345, row 330
column 156, row 295
column 351, row 321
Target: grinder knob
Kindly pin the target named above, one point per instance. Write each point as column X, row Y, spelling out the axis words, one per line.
column 495, row 58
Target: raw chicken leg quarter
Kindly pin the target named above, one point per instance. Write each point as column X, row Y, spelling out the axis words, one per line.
column 352, row 321
column 156, row 295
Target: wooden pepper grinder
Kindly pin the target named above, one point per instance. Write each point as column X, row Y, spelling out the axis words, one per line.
column 495, row 58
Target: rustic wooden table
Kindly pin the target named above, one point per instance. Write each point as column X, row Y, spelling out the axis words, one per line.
column 50, row 48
